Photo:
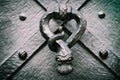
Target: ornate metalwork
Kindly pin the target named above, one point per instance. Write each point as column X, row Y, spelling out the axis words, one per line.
column 55, row 42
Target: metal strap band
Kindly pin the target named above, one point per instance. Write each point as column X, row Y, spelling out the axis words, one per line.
column 95, row 45
column 13, row 63
column 91, row 42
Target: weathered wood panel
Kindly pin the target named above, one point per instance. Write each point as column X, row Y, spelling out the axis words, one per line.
column 107, row 30
column 14, row 32
column 87, row 67
column 43, row 67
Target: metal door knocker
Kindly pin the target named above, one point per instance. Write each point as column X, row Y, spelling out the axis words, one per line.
column 55, row 42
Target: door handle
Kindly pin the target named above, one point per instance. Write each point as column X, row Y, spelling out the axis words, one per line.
column 55, row 41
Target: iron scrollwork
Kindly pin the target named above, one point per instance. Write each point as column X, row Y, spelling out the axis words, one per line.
column 64, row 56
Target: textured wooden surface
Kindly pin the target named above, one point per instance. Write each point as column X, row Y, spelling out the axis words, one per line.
column 107, row 30
column 15, row 33
column 43, row 66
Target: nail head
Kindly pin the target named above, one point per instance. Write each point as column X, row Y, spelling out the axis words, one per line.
column 101, row 14
column 22, row 55
column 103, row 54
column 22, row 17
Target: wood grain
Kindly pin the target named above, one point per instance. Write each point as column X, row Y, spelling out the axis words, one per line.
column 107, row 30
column 14, row 32
column 43, row 67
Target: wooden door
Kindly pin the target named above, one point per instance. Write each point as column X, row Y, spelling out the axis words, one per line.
column 96, row 54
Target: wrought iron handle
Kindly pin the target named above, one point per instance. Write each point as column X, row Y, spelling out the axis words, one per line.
column 55, row 42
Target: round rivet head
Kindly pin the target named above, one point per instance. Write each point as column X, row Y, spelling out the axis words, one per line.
column 101, row 14
column 22, row 55
column 22, row 17
column 103, row 54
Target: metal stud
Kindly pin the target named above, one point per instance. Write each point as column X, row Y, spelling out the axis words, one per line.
column 101, row 14
column 22, row 55
column 22, row 17
column 60, row 29
column 103, row 54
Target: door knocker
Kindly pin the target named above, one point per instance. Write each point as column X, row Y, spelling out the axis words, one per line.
column 62, row 48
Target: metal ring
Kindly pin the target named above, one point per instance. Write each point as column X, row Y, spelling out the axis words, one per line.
column 46, row 32
column 55, row 43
